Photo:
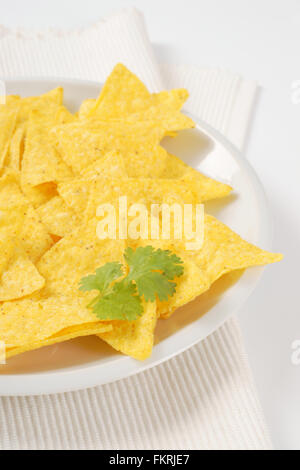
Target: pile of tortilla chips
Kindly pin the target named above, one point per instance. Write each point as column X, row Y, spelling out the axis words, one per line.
column 55, row 169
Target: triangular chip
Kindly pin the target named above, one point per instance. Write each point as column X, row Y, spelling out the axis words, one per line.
column 11, row 222
column 160, row 164
column 45, row 104
column 223, row 251
column 41, row 162
column 76, row 192
column 7, row 125
column 204, row 187
column 66, row 334
column 57, row 217
column 82, row 143
column 28, row 321
column 146, row 191
column 33, row 234
column 125, row 96
column 134, row 338
column 6, row 250
column 146, row 162
column 122, row 94
column 112, row 164
column 16, row 148
column 20, row 278
column 38, row 195
column 78, row 254
column 85, row 108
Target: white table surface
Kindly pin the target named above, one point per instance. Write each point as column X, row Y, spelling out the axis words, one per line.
column 261, row 40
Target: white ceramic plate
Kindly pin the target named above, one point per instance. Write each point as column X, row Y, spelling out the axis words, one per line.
column 87, row 362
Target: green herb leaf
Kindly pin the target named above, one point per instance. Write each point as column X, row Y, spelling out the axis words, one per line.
column 102, row 278
column 122, row 303
column 153, row 284
column 152, row 270
column 150, row 275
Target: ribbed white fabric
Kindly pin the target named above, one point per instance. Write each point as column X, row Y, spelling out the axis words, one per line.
column 203, row 398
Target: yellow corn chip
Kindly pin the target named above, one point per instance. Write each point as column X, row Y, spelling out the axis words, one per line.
column 112, row 164
column 35, row 195
column 56, row 95
column 11, row 222
column 11, row 100
column 33, row 235
column 6, row 250
column 64, row 335
column 45, row 104
column 20, row 278
column 27, row 321
column 122, row 94
column 160, row 164
column 85, row 108
column 84, row 142
column 57, row 217
column 134, row 338
column 223, row 251
column 41, row 162
column 38, row 195
column 16, row 148
column 7, row 125
column 78, row 254
column 145, row 191
column 205, row 188
column 76, row 192
column 63, row 116
column 150, row 162
column 125, row 96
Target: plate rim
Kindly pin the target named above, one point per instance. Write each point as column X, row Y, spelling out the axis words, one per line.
column 85, row 376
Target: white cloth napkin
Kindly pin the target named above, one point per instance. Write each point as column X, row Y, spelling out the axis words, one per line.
column 205, row 397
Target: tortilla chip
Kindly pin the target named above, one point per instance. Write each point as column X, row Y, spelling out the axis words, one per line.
column 28, row 321
column 76, row 192
column 6, row 250
column 57, row 217
column 112, row 164
column 145, row 191
column 63, row 116
column 7, row 125
column 44, row 104
column 122, row 94
column 85, row 108
column 134, row 338
column 33, row 235
column 41, row 162
column 203, row 186
column 66, row 334
column 20, row 278
column 11, row 222
column 223, row 251
column 38, row 195
column 78, row 254
column 12, row 100
column 147, row 162
column 125, row 96
column 82, row 143
column 159, row 164
column 56, row 95
column 16, row 148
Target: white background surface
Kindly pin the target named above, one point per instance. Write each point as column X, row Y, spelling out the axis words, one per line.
column 261, row 40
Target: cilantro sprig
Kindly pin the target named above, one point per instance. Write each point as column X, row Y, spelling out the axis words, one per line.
column 150, row 275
